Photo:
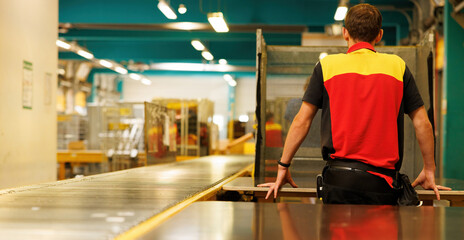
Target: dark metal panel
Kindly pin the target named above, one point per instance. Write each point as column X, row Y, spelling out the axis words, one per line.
column 241, row 220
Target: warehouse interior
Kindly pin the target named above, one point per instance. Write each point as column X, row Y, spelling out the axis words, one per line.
column 130, row 119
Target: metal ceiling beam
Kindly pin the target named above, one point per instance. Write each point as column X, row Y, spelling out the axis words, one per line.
column 183, row 26
column 116, row 35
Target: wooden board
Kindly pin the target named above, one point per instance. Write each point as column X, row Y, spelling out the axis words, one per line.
column 248, row 184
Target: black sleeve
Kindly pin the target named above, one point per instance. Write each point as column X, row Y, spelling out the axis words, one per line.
column 315, row 89
column 411, row 98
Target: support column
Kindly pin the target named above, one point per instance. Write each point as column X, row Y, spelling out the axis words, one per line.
column 231, row 111
column 28, row 65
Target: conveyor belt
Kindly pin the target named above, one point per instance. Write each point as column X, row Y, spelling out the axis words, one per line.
column 107, row 205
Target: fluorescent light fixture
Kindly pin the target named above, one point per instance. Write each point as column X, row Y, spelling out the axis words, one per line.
column 216, row 19
column 340, row 13
column 105, row 63
column 243, row 118
column 232, row 83
column 179, row 66
column 135, row 76
column 207, row 55
column 85, row 54
column 146, row 81
column 198, row 45
column 185, row 25
column 63, row 44
column 322, row 55
column 169, row 66
column 230, row 80
column 166, row 10
column 120, row 70
column 222, row 61
column 228, row 77
column 182, row 9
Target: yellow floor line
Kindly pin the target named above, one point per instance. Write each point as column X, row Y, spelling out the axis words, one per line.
column 152, row 222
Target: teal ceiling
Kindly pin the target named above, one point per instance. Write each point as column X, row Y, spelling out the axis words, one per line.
column 124, row 30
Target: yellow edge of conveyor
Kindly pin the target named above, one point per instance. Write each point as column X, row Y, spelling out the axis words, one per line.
column 152, row 222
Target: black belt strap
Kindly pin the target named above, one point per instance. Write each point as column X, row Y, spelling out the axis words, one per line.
column 357, row 165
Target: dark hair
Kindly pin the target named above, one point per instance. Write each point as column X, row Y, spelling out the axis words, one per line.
column 363, row 22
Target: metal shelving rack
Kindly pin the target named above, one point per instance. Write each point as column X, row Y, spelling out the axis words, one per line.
column 194, row 119
column 122, row 134
column 70, row 128
column 160, row 134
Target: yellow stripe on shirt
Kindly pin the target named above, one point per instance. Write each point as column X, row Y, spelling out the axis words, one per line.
column 364, row 62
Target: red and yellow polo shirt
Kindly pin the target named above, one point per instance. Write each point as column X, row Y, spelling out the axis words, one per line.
column 363, row 95
column 273, row 135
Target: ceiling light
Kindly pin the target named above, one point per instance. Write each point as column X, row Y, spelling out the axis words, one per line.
column 105, row 63
column 186, row 26
column 85, row 54
column 121, row 70
column 146, row 81
column 182, row 9
column 322, row 55
column 63, row 44
column 180, row 66
column 222, row 61
column 243, row 118
column 166, row 10
column 198, row 45
column 134, row 76
column 230, row 80
column 207, row 55
column 232, row 83
column 340, row 13
column 216, row 19
column 228, row 77
column 170, row 66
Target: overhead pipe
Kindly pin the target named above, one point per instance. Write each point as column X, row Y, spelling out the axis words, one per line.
column 419, row 17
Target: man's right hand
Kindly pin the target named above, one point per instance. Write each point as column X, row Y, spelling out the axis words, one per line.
column 426, row 179
column 283, row 177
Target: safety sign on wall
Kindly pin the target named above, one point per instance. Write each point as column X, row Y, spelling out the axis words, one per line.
column 27, row 85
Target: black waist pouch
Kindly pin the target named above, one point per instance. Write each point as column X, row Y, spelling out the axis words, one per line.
column 407, row 195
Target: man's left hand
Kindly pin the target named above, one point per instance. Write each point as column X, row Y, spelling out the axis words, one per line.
column 426, row 179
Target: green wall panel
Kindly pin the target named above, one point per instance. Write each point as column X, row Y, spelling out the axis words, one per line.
column 453, row 93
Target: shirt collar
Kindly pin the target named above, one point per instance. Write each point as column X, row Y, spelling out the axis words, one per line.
column 361, row 45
